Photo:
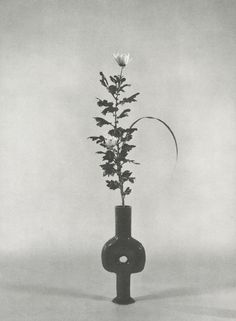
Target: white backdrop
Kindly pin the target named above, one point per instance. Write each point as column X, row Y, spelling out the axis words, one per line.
column 53, row 196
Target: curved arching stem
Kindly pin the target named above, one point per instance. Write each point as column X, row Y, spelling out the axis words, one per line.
column 168, row 127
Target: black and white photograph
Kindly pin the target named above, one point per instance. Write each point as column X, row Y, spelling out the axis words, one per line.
column 117, row 160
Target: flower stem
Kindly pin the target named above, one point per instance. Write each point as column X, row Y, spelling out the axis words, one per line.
column 119, row 166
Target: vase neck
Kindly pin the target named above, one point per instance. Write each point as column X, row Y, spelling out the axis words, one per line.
column 123, row 221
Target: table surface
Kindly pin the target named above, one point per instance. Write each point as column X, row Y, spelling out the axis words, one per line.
column 56, row 287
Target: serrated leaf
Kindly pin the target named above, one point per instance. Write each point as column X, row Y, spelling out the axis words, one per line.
column 104, row 103
column 109, row 156
column 124, row 113
column 101, row 121
column 124, row 152
column 109, row 110
column 129, row 99
column 108, row 169
column 127, row 191
column 125, row 175
column 112, row 184
column 128, row 147
column 118, row 132
column 122, row 155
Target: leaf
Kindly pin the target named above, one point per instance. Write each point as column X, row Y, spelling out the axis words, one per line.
column 98, row 139
column 128, row 147
column 131, row 161
column 112, row 184
column 109, row 110
column 108, row 169
column 122, row 155
column 117, row 78
column 124, row 152
column 113, row 79
column 118, row 132
column 122, row 87
column 101, row 121
column 93, row 138
column 127, row 191
column 129, row 132
column 125, row 175
column 131, row 179
column 100, row 152
column 124, row 113
column 104, row 103
column 112, row 89
column 129, row 99
column 109, row 156
column 128, row 137
column 103, row 80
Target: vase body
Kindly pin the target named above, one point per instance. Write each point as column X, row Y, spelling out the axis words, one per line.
column 123, row 255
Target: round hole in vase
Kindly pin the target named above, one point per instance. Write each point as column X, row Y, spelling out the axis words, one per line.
column 123, row 259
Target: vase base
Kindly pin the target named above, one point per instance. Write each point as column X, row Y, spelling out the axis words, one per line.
column 118, row 300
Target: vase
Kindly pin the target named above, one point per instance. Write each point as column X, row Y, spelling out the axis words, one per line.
column 123, row 255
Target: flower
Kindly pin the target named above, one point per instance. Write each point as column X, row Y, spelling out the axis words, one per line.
column 110, row 142
column 122, row 59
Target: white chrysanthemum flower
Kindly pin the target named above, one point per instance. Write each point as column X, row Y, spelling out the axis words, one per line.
column 122, row 59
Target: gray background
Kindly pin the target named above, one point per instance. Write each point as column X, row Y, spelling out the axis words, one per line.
column 56, row 211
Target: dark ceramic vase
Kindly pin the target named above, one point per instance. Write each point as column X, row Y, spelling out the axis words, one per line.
column 123, row 255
